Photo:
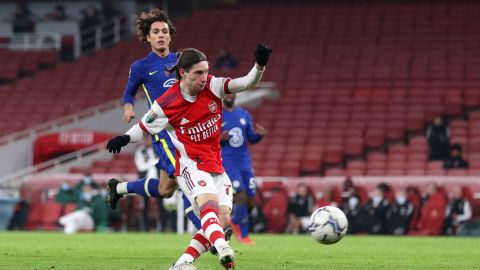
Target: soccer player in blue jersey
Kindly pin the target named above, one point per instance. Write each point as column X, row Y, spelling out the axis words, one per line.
column 237, row 130
column 153, row 27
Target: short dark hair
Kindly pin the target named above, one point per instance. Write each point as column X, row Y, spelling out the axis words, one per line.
column 185, row 59
column 457, row 147
column 384, row 187
column 145, row 20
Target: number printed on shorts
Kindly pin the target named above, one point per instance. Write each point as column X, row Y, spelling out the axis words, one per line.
column 251, row 183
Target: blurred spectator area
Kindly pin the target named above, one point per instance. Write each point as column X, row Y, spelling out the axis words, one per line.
column 62, row 34
column 41, row 9
column 274, row 193
column 38, row 192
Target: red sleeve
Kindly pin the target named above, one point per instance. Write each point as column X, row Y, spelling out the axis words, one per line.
column 225, row 86
column 142, row 126
column 221, row 85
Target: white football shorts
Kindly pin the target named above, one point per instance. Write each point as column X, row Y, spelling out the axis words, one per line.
column 194, row 182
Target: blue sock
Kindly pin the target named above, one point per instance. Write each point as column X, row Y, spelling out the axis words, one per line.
column 240, row 217
column 190, row 214
column 142, row 186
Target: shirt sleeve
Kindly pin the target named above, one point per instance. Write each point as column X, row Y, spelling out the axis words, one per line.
column 409, row 209
column 224, row 86
column 467, row 212
column 252, row 137
column 429, row 132
column 246, row 82
column 152, row 122
column 448, row 210
column 135, row 79
column 219, row 86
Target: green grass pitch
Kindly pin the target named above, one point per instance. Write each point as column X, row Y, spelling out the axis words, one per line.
column 135, row 251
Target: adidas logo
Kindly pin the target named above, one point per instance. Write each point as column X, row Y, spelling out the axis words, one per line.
column 184, row 121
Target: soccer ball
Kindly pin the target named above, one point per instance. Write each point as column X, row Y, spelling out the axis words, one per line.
column 328, row 225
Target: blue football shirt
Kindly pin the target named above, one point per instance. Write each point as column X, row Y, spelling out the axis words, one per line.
column 149, row 74
column 239, row 125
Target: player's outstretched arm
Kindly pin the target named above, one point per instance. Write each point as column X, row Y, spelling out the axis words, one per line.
column 152, row 122
column 223, row 86
column 262, row 54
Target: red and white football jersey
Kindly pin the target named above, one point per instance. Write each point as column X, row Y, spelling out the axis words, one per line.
column 194, row 127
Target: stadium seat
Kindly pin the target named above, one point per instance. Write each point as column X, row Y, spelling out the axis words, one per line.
column 436, row 172
column 354, row 146
column 69, row 208
column 457, row 172
column 356, row 165
column 335, row 172
column 34, row 219
column 435, row 165
column 50, row 214
column 275, row 210
column 333, row 154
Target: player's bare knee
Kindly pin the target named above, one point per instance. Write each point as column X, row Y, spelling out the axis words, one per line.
column 168, row 185
column 206, row 198
column 207, row 204
column 224, row 214
column 166, row 192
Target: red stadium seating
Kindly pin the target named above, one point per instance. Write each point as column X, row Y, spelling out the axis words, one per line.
column 50, row 214
column 352, row 89
column 69, row 208
column 34, row 216
column 368, row 87
column 24, row 62
column 275, row 210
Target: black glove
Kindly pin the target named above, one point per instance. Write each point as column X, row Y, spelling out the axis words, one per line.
column 262, row 53
column 114, row 145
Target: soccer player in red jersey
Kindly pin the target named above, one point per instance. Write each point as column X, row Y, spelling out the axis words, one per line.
column 191, row 112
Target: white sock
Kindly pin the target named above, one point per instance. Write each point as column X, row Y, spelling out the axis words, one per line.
column 185, row 258
column 122, row 188
column 220, row 244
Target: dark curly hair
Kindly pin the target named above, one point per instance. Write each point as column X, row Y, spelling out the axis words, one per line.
column 145, row 20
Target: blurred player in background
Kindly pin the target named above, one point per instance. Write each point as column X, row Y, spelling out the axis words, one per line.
column 191, row 112
column 153, row 27
column 237, row 130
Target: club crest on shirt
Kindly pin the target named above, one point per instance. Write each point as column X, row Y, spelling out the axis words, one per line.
column 150, row 117
column 168, row 83
column 212, row 106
